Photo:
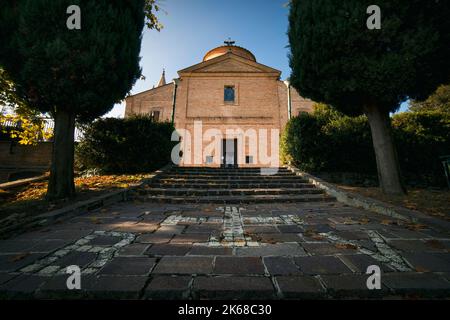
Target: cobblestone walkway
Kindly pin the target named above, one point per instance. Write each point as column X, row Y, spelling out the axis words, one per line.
column 161, row 251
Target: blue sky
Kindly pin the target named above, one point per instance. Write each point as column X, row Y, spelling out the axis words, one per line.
column 193, row 27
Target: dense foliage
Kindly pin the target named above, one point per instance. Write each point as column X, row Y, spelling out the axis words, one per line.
column 337, row 59
column 130, row 145
column 326, row 141
column 439, row 100
column 72, row 74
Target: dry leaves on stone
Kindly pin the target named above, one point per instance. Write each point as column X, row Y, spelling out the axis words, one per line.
column 346, row 246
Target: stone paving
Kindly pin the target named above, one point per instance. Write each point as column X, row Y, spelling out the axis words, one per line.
column 138, row 250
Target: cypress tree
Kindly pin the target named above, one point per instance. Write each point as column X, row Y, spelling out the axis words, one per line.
column 74, row 75
column 336, row 59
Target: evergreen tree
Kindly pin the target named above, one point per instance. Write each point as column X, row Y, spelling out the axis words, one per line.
column 337, row 60
column 75, row 75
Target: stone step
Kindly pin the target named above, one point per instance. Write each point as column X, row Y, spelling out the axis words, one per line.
column 237, row 199
column 229, row 192
column 238, row 172
column 209, row 169
column 225, row 178
column 228, row 185
column 225, row 174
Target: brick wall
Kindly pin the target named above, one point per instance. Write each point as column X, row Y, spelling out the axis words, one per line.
column 261, row 102
column 21, row 156
column 158, row 99
column 21, row 161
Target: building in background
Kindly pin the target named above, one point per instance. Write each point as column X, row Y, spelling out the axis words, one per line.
column 228, row 95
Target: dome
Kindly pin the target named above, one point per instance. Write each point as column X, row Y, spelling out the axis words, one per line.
column 219, row 51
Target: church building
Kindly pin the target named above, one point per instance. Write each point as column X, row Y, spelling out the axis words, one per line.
column 229, row 109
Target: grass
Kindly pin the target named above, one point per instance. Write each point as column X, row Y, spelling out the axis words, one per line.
column 29, row 200
column 431, row 202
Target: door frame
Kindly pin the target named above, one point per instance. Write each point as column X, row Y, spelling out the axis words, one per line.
column 223, row 163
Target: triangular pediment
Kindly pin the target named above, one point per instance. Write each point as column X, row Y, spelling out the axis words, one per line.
column 229, row 63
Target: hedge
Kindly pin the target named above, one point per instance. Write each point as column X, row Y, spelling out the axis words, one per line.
column 131, row 145
column 327, row 141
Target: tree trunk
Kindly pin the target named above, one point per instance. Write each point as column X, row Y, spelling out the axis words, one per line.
column 385, row 152
column 61, row 184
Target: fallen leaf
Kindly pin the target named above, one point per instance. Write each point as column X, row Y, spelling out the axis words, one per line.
column 415, row 226
column 436, row 244
column 387, row 222
column 421, row 269
column 19, row 257
column 346, row 246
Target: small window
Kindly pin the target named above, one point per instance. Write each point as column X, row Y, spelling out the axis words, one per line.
column 229, row 94
column 209, row 159
column 248, row 159
column 155, row 115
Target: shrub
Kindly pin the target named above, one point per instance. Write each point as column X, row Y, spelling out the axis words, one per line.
column 326, row 141
column 421, row 138
column 131, row 145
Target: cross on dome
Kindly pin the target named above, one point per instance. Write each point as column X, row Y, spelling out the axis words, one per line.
column 229, row 42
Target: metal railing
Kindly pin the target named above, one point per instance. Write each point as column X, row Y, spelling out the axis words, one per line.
column 49, row 125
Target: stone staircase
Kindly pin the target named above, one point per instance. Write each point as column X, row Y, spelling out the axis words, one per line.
column 230, row 186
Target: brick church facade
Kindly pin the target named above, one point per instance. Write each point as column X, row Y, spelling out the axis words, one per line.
column 229, row 109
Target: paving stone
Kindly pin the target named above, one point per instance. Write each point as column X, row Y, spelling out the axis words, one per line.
column 137, row 227
column 350, row 286
column 279, row 249
column 276, row 237
column 190, row 238
column 169, row 249
column 233, row 288
column 368, row 244
column 428, row 284
column 16, row 246
column 154, row 238
column 170, row 230
column 303, row 287
column 322, row 228
column 168, row 287
column 435, row 234
column 412, row 246
column 56, row 287
column 104, row 241
column 69, row 235
column 33, row 235
column 352, row 235
column 138, row 266
column 135, row 249
column 210, row 251
column 23, row 286
column 326, row 249
column 408, row 234
column 184, row 265
column 4, row 277
column 321, row 265
column 117, row 287
column 49, row 245
column 202, row 229
column 13, row 262
column 281, row 266
column 290, row 229
column 426, row 262
column 81, row 259
column 360, row 262
column 238, row 265
column 261, row 229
